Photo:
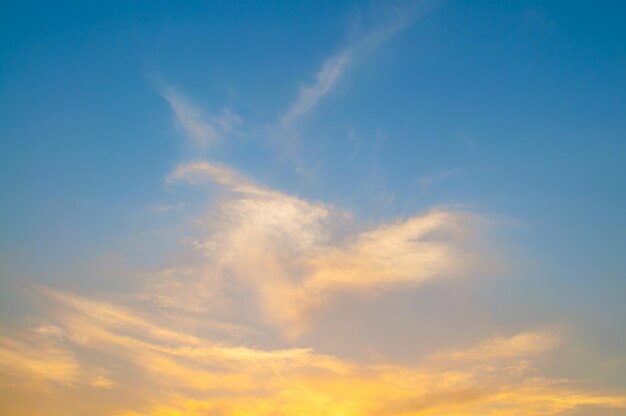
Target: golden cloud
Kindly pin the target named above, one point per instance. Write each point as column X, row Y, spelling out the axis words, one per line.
column 173, row 373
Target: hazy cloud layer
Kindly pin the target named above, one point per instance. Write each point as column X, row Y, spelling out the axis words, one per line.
column 166, row 371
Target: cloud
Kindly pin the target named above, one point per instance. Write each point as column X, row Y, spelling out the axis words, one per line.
column 297, row 255
column 201, row 172
column 164, row 345
column 40, row 358
column 202, row 129
column 522, row 345
column 37, row 358
column 309, row 95
column 205, row 129
column 101, row 382
column 390, row 20
column 160, row 370
column 435, row 177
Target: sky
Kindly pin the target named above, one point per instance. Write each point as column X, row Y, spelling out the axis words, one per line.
column 339, row 208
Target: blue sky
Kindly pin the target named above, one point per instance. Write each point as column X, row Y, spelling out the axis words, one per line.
column 510, row 112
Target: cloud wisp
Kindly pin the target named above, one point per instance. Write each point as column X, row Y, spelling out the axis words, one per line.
column 436, row 177
column 391, row 21
column 310, row 95
column 205, row 130
column 202, row 129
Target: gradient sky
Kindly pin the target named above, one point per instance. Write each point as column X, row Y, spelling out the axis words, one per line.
column 312, row 208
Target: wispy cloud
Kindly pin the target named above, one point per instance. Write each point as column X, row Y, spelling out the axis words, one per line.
column 526, row 344
column 205, row 129
column 201, row 172
column 296, row 258
column 176, row 373
column 436, row 177
column 39, row 358
column 388, row 21
column 310, row 95
column 291, row 257
column 201, row 128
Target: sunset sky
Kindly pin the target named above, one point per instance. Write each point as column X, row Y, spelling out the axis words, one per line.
column 376, row 208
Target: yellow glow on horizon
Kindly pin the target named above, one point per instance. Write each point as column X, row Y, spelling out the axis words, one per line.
column 175, row 373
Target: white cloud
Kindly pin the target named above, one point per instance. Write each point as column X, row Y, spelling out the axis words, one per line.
column 297, row 254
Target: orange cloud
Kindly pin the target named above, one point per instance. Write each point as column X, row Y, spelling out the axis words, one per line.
column 296, row 255
column 291, row 257
column 169, row 372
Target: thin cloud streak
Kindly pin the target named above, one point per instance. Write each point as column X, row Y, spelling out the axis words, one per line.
column 310, row 95
column 435, row 177
column 202, row 129
column 525, row 344
column 333, row 68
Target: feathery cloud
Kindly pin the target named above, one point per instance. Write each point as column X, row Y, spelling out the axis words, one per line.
column 295, row 256
column 309, row 95
column 177, row 373
column 392, row 20
column 435, row 177
column 202, row 129
column 37, row 358
column 525, row 344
